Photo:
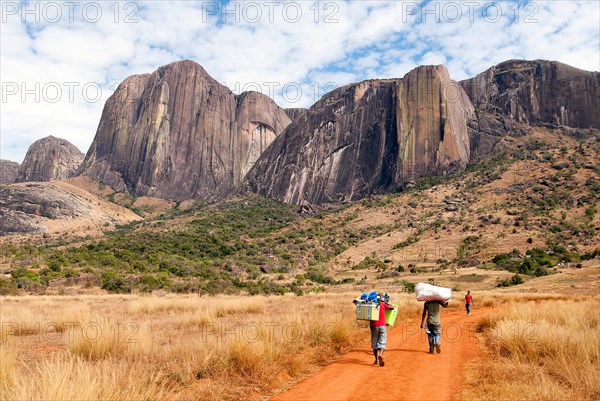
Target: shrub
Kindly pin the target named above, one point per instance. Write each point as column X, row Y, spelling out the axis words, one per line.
column 368, row 262
column 409, row 241
column 514, row 280
column 149, row 283
column 8, row 287
column 115, row 283
column 318, row 277
column 408, row 286
column 54, row 265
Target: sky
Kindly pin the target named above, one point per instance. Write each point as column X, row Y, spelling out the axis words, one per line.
column 61, row 60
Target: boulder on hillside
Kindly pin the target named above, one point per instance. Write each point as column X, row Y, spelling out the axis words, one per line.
column 49, row 159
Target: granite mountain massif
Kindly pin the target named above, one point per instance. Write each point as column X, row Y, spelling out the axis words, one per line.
column 178, row 134
column 370, row 137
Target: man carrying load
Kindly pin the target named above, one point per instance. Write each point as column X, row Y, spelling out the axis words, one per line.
column 434, row 325
column 434, row 297
column 379, row 330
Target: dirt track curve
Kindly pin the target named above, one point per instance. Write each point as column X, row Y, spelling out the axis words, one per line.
column 410, row 372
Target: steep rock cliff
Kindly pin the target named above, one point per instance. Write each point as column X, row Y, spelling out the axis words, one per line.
column 295, row 113
column 179, row 134
column 538, row 92
column 367, row 138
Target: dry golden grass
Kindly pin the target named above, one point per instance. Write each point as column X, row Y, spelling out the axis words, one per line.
column 75, row 379
column 174, row 347
column 540, row 350
column 8, row 363
column 229, row 306
column 186, row 347
column 105, row 338
column 19, row 321
column 150, row 304
column 73, row 316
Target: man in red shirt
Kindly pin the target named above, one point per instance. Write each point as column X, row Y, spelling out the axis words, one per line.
column 468, row 302
column 379, row 330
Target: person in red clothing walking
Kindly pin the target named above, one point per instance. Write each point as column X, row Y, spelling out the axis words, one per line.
column 468, row 302
column 379, row 330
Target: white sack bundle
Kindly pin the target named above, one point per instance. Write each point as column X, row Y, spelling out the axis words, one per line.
column 428, row 292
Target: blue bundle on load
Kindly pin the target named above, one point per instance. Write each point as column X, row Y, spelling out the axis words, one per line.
column 367, row 306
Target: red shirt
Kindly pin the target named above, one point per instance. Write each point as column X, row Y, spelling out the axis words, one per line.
column 468, row 299
column 381, row 322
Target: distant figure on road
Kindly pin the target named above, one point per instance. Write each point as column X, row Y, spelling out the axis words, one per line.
column 431, row 309
column 379, row 330
column 468, row 302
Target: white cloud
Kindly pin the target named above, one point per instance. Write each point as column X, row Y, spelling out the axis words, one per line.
column 303, row 44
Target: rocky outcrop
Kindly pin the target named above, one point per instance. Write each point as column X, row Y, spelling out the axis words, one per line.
column 537, row 92
column 295, row 113
column 57, row 208
column 50, row 159
column 367, row 138
column 21, row 206
column 178, row 134
column 9, row 171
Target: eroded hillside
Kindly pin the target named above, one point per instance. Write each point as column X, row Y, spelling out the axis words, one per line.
column 472, row 229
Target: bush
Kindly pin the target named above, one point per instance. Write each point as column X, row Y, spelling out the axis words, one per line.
column 115, row 283
column 368, row 262
column 534, row 264
column 591, row 255
column 149, row 283
column 54, row 265
column 514, row 280
column 408, row 286
column 8, row 287
column 409, row 241
column 318, row 277
column 24, row 277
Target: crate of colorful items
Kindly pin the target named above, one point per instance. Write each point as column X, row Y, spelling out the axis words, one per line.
column 367, row 306
column 367, row 311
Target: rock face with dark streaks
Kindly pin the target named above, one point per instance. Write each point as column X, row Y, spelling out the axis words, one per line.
column 368, row 138
column 179, row 134
column 538, row 92
column 295, row 113
column 50, row 159
column 9, row 171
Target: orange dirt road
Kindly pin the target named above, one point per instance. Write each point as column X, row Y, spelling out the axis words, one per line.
column 410, row 372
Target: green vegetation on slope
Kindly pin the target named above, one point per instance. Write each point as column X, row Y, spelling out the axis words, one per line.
column 257, row 245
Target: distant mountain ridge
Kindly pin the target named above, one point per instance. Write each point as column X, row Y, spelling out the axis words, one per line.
column 178, row 134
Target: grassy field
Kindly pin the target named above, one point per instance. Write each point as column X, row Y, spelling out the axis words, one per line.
column 172, row 347
column 538, row 349
column 178, row 347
